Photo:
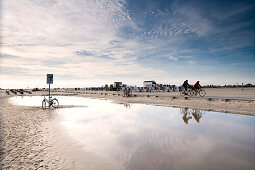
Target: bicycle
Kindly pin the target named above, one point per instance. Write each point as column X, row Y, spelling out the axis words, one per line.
column 52, row 102
column 189, row 92
column 201, row 92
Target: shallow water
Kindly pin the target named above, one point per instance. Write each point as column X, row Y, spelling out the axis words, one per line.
column 139, row 136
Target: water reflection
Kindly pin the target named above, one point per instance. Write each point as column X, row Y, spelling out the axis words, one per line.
column 127, row 105
column 187, row 112
column 151, row 137
column 155, row 137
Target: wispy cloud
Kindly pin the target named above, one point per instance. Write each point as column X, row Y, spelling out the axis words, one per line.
column 192, row 62
column 173, row 58
column 179, row 57
column 107, row 40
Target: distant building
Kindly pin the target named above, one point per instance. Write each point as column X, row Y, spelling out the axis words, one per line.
column 116, row 86
column 149, row 83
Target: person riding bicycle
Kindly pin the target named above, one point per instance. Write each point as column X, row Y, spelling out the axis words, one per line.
column 186, row 85
column 197, row 85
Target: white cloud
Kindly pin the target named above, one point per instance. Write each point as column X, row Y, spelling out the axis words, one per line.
column 173, row 58
column 179, row 57
column 192, row 62
column 44, row 36
column 191, row 16
column 186, row 57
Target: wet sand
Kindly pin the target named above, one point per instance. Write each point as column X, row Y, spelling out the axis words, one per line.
column 28, row 135
column 22, row 138
column 29, row 139
column 229, row 100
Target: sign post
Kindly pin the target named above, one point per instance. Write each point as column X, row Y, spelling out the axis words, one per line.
column 49, row 81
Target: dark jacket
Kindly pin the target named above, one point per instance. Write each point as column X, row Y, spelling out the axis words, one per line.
column 185, row 84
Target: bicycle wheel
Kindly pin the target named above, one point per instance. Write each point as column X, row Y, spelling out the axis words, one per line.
column 195, row 92
column 55, row 103
column 182, row 93
column 43, row 104
column 202, row 93
column 191, row 92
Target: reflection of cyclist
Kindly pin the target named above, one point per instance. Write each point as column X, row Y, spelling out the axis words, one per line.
column 196, row 114
column 197, row 85
column 127, row 105
column 185, row 114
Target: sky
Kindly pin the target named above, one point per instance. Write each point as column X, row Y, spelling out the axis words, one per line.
column 95, row 42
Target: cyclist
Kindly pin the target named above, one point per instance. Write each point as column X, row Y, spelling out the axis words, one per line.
column 197, row 86
column 185, row 85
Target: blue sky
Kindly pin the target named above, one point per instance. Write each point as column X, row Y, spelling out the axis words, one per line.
column 90, row 43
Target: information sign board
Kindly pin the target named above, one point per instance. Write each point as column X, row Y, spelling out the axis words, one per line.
column 49, row 78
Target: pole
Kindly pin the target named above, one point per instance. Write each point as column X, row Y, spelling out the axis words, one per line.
column 49, row 92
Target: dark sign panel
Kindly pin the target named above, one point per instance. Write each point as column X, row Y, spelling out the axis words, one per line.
column 49, row 78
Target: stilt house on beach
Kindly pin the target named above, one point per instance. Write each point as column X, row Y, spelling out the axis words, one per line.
column 149, row 83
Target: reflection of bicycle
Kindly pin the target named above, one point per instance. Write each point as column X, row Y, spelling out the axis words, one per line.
column 127, row 105
column 52, row 102
column 201, row 92
column 127, row 92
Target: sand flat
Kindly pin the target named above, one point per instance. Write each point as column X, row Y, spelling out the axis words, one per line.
column 28, row 140
column 229, row 100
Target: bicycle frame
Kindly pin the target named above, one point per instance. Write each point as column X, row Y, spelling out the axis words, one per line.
column 184, row 92
column 52, row 102
column 198, row 91
column 48, row 101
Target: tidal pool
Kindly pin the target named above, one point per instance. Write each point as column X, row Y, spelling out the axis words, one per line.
column 139, row 136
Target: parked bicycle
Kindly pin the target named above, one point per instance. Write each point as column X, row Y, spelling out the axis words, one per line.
column 51, row 102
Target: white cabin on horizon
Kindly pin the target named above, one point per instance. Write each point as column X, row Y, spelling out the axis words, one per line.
column 149, row 83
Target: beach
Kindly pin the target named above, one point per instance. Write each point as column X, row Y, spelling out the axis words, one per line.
column 127, row 85
column 229, row 100
column 22, row 138
column 29, row 139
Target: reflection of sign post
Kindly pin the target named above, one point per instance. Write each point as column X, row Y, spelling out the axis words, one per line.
column 49, row 81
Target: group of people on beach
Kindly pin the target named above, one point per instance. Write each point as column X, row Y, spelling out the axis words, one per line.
column 186, row 85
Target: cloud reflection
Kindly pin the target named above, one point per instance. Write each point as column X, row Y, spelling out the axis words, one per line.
column 155, row 137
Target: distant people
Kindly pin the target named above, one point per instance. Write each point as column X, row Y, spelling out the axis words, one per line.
column 197, row 85
column 111, row 87
column 127, row 92
column 174, row 88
